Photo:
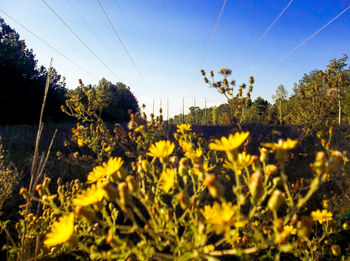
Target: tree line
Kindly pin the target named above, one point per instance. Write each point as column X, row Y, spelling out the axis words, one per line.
column 321, row 97
column 22, row 83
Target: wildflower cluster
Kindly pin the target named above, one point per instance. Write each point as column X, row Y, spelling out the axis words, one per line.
column 187, row 200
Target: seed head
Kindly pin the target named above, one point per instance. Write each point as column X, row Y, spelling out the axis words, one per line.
column 225, row 71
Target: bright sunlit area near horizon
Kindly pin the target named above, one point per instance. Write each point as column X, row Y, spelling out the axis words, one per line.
column 158, row 47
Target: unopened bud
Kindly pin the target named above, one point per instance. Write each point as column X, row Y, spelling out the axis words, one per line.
column 336, row 250
column 146, row 166
column 270, row 169
column 132, row 183
column 305, row 226
column 255, row 186
column 124, row 196
column 183, row 199
column 112, row 192
column 86, row 212
column 39, row 189
column 24, row 193
column 276, row 200
column 264, row 153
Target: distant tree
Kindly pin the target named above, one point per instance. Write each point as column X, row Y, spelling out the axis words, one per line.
column 22, row 82
column 112, row 101
column 319, row 96
column 257, row 111
column 280, row 98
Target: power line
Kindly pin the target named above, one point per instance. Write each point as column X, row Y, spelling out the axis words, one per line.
column 120, row 40
column 87, row 25
column 314, row 34
column 263, row 35
column 83, row 20
column 209, row 42
column 128, row 25
column 48, row 45
column 77, row 36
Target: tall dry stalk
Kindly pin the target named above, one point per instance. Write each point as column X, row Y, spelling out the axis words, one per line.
column 37, row 171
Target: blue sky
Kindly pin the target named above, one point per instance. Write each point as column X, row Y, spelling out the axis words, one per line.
column 168, row 38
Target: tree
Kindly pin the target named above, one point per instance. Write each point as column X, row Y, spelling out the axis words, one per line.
column 320, row 96
column 22, row 82
column 111, row 101
column 257, row 111
column 279, row 99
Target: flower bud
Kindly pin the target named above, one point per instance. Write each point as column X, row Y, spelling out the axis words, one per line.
column 124, row 196
column 264, row 154
column 39, row 189
column 24, row 193
column 276, row 200
column 255, row 186
column 305, row 226
column 336, row 160
column 86, row 212
column 336, row 250
column 214, row 187
column 46, row 182
column 183, row 199
column 346, row 225
column 277, row 181
column 146, row 166
column 112, row 193
column 270, row 169
column 132, row 183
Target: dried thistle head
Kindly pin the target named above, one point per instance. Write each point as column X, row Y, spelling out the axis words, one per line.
column 251, row 80
column 225, row 71
column 211, row 73
column 203, row 72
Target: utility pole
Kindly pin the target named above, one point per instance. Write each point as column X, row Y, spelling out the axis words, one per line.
column 194, row 108
column 205, row 110
column 167, row 110
column 183, row 110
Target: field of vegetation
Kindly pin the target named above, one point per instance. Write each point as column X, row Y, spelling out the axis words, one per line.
column 91, row 177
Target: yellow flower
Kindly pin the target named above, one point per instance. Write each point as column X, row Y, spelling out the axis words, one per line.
column 90, row 196
column 243, row 160
column 322, row 217
column 186, row 146
column 281, row 148
column 220, row 216
column 106, row 170
column 208, row 248
column 139, row 128
column 289, row 230
column 61, row 231
column 167, row 180
column 194, row 154
column 282, row 145
column 161, row 149
column 182, row 128
column 80, row 141
column 229, row 144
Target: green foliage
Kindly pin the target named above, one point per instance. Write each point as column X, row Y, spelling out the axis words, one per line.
column 280, row 98
column 319, row 97
column 8, row 177
column 22, row 82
